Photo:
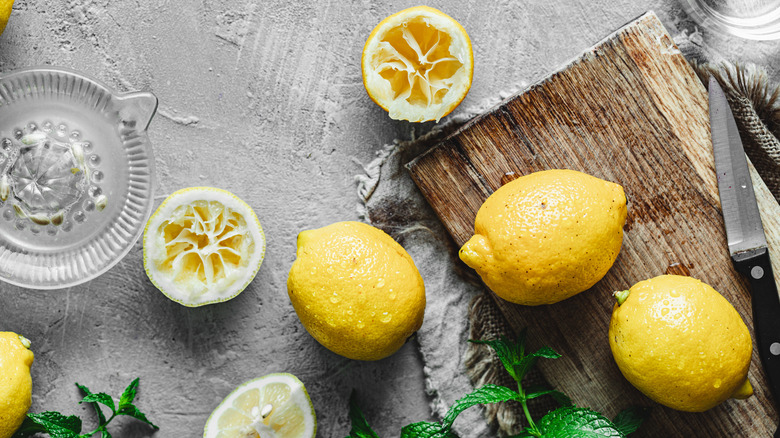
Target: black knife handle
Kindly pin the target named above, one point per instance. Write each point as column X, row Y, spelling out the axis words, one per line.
column 757, row 266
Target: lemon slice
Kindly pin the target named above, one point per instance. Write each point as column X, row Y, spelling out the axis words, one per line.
column 417, row 64
column 272, row 406
column 202, row 246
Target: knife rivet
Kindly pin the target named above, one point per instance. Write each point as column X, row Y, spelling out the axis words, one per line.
column 758, row 272
column 775, row 348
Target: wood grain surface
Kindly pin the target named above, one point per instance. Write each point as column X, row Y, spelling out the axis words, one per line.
column 632, row 111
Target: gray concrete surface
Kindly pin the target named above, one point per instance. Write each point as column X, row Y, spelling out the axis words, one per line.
column 265, row 99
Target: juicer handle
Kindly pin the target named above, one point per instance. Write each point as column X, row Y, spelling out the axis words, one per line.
column 137, row 109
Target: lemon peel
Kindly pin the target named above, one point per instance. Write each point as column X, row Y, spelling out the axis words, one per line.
column 203, row 245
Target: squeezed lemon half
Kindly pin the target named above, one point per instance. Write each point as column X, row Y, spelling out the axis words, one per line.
column 203, row 245
column 272, row 406
column 418, row 64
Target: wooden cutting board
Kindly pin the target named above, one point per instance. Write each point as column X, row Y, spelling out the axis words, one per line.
column 631, row 110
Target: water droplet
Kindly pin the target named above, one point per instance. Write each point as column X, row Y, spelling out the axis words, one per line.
column 380, row 283
column 97, row 176
column 8, row 214
column 32, row 127
column 664, row 311
column 392, row 295
column 94, row 191
column 18, row 133
column 386, row 317
column 89, row 206
column 67, row 226
column 6, row 144
column 79, row 216
column 334, row 300
column 350, row 312
column 674, row 293
column 360, row 324
column 51, row 231
column 35, row 229
column 717, row 383
column 666, row 302
column 62, row 129
column 19, row 225
column 330, row 269
column 47, row 126
column 75, row 135
column 94, row 160
column 87, row 146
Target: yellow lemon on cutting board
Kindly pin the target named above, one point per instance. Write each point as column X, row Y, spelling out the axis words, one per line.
column 272, row 406
column 547, row 236
column 418, row 64
column 203, row 245
column 356, row 290
column 681, row 343
column 15, row 382
column 6, row 7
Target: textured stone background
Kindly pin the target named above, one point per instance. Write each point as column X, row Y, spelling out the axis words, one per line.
column 263, row 98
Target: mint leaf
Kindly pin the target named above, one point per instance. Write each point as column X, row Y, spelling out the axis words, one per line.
column 538, row 391
column 486, row 394
column 508, row 352
column 527, row 362
column 360, row 427
column 128, row 396
column 131, row 411
column 629, row 420
column 571, row 422
column 424, row 429
column 53, row 423
column 101, row 416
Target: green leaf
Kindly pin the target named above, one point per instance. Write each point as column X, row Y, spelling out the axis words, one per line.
column 508, row 352
column 629, row 420
column 574, row 422
column 53, row 423
column 101, row 416
column 527, row 362
column 484, row 395
column 539, row 391
column 131, row 411
column 360, row 427
column 128, row 396
column 424, row 429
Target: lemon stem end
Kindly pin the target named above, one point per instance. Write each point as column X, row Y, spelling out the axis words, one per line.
column 743, row 391
column 26, row 342
column 621, row 296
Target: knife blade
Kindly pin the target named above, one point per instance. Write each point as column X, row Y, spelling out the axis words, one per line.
column 745, row 233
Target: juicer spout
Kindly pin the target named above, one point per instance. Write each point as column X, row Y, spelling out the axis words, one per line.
column 137, row 109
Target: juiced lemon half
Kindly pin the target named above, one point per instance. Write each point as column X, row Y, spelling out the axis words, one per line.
column 203, row 245
column 417, row 64
column 272, row 406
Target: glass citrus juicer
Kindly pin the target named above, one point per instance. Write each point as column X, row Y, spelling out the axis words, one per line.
column 76, row 170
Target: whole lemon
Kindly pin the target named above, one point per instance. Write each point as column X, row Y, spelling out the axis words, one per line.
column 681, row 343
column 547, row 236
column 5, row 13
column 15, row 382
column 356, row 290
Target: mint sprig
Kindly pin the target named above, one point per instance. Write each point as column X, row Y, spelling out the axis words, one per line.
column 566, row 421
column 57, row 425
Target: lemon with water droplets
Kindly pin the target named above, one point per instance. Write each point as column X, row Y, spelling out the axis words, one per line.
column 273, row 406
column 203, row 245
column 15, row 382
column 356, row 290
column 681, row 343
column 6, row 6
column 547, row 236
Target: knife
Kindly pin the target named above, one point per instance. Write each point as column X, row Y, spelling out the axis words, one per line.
column 745, row 234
